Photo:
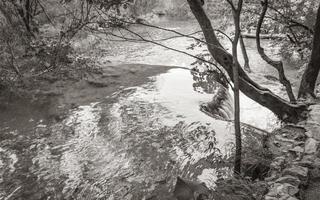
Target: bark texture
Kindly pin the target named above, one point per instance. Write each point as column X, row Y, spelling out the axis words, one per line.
column 311, row 73
column 284, row 110
column 236, row 19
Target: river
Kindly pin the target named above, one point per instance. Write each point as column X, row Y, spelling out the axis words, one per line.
column 135, row 142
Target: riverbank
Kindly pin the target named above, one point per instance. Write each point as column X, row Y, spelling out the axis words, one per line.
column 295, row 168
column 119, row 134
column 54, row 98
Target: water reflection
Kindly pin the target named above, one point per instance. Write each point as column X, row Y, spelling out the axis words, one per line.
column 133, row 144
column 213, row 82
column 130, row 146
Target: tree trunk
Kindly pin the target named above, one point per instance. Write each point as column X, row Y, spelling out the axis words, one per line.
column 245, row 55
column 28, row 14
column 278, row 65
column 263, row 96
column 236, row 18
column 311, row 73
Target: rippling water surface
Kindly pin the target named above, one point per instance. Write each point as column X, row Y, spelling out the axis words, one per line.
column 131, row 145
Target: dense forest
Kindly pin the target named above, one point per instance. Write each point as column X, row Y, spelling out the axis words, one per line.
column 146, row 99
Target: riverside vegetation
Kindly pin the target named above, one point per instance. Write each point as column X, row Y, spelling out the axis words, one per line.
column 140, row 99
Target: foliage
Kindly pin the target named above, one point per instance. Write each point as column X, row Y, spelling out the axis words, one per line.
column 240, row 189
column 41, row 45
column 293, row 19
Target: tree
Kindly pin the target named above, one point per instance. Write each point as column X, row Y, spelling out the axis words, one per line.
column 294, row 19
column 276, row 64
column 283, row 109
column 236, row 18
column 311, row 73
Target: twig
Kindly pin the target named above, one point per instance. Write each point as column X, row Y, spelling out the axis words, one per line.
column 45, row 12
column 232, row 5
column 170, row 48
column 12, row 58
column 13, row 193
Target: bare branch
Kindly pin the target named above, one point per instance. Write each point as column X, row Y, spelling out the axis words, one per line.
column 12, row 59
column 142, row 39
column 183, row 52
column 45, row 12
column 232, row 5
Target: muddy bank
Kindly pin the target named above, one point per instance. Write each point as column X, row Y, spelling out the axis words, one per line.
column 52, row 98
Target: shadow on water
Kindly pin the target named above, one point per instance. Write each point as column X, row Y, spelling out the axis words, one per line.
column 129, row 149
column 131, row 145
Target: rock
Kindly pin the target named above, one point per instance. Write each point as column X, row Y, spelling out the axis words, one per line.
column 315, row 174
column 185, row 189
column 297, row 149
column 313, row 130
column 304, row 163
column 300, row 136
column 309, row 134
column 315, row 112
column 278, row 163
column 310, row 161
column 289, row 179
column 311, row 146
column 316, row 163
column 271, row 179
column 313, row 121
column 292, row 190
column 281, row 190
column 297, row 171
column 292, row 198
column 284, row 197
column 283, row 139
column 271, row 198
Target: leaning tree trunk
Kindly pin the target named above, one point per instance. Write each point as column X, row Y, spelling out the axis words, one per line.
column 284, row 110
column 278, row 65
column 311, row 73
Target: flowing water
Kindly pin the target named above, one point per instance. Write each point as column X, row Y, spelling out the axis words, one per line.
column 133, row 144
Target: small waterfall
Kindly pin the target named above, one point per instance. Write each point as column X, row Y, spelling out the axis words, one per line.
column 221, row 105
